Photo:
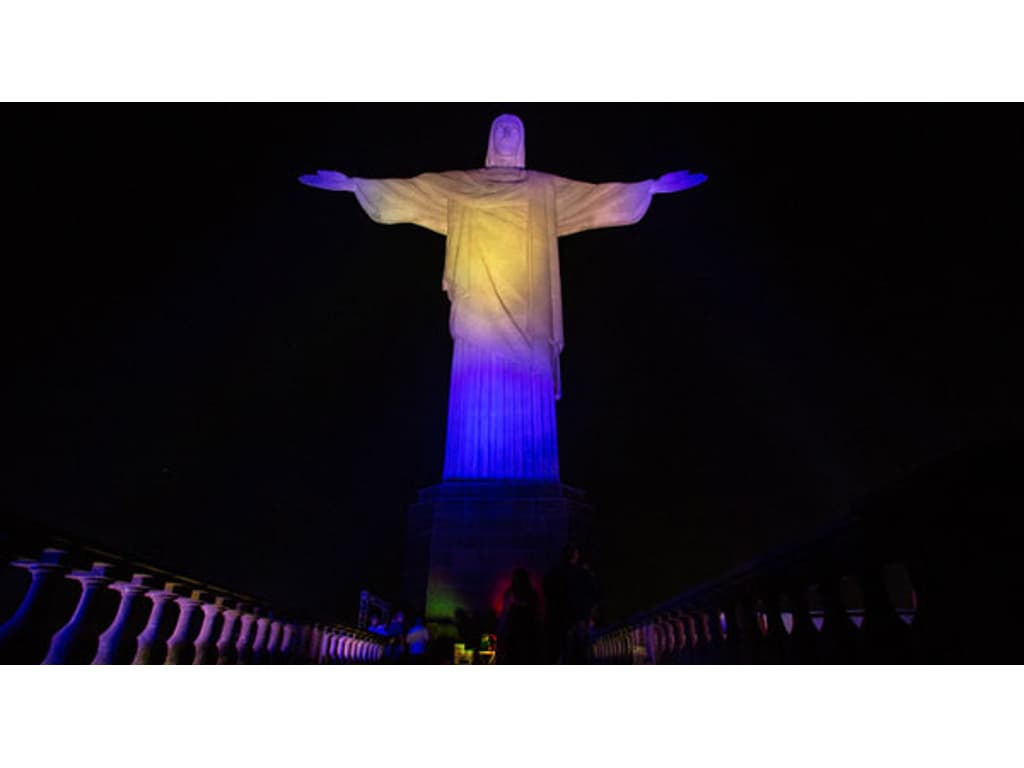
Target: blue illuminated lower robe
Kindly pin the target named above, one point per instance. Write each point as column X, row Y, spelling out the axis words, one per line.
column 501, row 419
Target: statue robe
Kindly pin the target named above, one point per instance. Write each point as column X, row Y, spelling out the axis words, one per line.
column 502, row 277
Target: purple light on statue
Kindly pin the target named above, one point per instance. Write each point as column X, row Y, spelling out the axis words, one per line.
column 501, row 420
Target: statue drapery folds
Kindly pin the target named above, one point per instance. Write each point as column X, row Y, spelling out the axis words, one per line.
column 501, row 268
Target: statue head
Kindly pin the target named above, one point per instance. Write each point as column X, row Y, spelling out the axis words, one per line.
column 506, row 147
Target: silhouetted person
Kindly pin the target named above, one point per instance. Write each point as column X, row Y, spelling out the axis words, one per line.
column 519, row 627
column 570, row 598
column 582, row 605
column 417, row 641
column 374, row 625
column 396, row 638
column 556, row 604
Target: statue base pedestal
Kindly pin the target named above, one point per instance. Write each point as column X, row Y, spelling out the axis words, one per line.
column 465, row 538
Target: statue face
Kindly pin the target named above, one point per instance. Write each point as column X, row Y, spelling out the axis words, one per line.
column 506, row 143
column 507, row 137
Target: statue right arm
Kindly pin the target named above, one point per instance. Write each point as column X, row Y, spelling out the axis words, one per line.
column 421, row 200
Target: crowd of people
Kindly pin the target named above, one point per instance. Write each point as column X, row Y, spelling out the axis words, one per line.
column 403, row 645
column 570, row 608
column 548, row 627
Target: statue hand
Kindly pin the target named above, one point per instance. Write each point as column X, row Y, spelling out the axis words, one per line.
column 330, row 180
column 677, row 181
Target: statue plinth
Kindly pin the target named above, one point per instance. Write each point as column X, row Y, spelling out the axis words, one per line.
column 465, row 538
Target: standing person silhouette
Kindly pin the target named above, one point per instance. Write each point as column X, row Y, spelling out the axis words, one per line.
column 519, row 625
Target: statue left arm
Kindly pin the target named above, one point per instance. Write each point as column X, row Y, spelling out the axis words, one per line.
column 581, row 206
column 677, row 181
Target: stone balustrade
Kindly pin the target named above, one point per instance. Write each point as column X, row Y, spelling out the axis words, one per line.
column 832, row 599
column 82, row 606
column 851, row 594
column 922, row 570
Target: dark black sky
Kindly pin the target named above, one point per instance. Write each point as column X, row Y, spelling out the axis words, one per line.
column 245, row 379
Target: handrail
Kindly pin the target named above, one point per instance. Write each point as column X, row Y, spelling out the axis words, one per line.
column 162, row 615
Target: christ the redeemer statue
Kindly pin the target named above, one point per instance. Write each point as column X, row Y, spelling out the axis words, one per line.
column 502, row 224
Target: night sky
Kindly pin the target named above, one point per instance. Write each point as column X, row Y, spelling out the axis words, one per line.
column 244, row 379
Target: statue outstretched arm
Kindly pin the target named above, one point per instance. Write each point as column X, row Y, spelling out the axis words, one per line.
column 421, row 200
column 582, row 206
column 333, row 181
column 677, row 181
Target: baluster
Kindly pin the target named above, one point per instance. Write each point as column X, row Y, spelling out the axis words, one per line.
column 274, row 642
column 116, row 645
column 799, row 649
column 674, row 645
column 717, row 635
column 331, row 641
column 179, row 645
column 691, row 648
column 226, row 651
column 652, row 641
column 25, row 637
column 773, row 635
column 886, row 639
column 663, row 637
column 147, row 644
column 837, row 639
column 259, row 645
column 206, row 651
column 326, row 638
column 325, row 644
column 290, row 636
column 76, row 642
column 675, row 642
column 243, row 647
column 636, row 642
column 314, row 644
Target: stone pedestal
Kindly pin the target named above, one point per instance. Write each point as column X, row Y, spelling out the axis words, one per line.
column 465, row 538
